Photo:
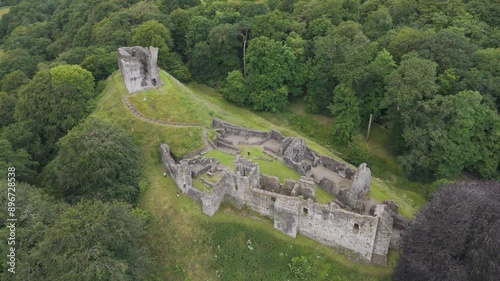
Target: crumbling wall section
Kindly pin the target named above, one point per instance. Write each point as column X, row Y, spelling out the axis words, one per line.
column 383, row 236
column 328, row 186
column 286, row 215
column 261, row 201
column 275, row 135
column 360, row 186
column 353, row 233
column 307, row 188
column 181, row 173
column 138, row 66
column 233, row 129
column 211, row 199
column 269, row 183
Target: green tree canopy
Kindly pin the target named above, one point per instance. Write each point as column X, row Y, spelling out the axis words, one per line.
column 91, row 241
column 346, row 113
column 95, row 161
column 234, row 88
column 53, row 102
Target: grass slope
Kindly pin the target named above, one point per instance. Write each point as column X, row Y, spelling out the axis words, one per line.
column 185, row 243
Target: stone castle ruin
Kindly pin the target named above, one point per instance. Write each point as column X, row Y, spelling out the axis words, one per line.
column 351, row 223
column 138, row 68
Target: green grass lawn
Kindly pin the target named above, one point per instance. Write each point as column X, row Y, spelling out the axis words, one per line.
column 172, row 103
column 1, row 54
column 199, row 185
column 274, row 168
column 186, row 244
column 322, row 196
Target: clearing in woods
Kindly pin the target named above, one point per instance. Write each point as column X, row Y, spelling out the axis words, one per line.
column 233, row 244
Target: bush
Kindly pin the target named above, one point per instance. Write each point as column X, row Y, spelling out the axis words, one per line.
column 455, row 237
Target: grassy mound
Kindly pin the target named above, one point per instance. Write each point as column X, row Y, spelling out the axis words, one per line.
column 185, row 243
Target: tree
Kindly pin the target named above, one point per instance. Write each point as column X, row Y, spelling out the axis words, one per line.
column 19, row 59
column 13, row 81
column 95, row 161
column 268, row 73
column 345, row 111
column 377, row 23
column 405, row 40
column 197, row 32
column 372, row 88
column 19, row 159
column 91, row 241
column 224, row 50
column 37, row 214
column 412, row 81
column 449, row 49
column 7, row 106
column 53, row 102
column 275, row 25
column 343, row 55
column 153, row 33
column 234, row 88
column 100, row 63
column 180, row 19
column 455, row 236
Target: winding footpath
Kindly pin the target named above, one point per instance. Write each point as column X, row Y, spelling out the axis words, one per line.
column 207, row 147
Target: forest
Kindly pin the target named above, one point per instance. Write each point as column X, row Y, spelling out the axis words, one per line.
column 428, row 71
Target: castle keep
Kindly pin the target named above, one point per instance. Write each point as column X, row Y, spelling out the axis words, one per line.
column 346, row 223
column 138, row 68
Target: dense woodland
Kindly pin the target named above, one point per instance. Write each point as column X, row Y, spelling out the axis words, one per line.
column 426, row 70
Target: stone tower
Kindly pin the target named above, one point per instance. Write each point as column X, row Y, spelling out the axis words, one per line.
column 138, row 66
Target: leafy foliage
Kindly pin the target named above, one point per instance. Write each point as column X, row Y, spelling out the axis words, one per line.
column 95, row 161
column 54, row 102
column 234, row 88
column 455, row 237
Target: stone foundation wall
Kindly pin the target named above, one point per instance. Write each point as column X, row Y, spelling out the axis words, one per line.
column 237, row 130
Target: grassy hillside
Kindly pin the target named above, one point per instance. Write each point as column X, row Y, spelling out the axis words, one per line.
column 185, row 243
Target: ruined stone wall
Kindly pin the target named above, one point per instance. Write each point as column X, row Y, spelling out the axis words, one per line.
column 232, row 129
column 307, row 188
column 261, row 201
column 195, row 194
column 269, row 183
column 383, row 236
column 300, row 167
column 338, row 228
column 360, row 186
column 286, row 215
column 288, row 186
column 275, row 135
column 138, row 67
column 181, row 173
column 328, row 186
column 211, row 199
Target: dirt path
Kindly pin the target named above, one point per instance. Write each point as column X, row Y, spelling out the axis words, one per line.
column 141, row 116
